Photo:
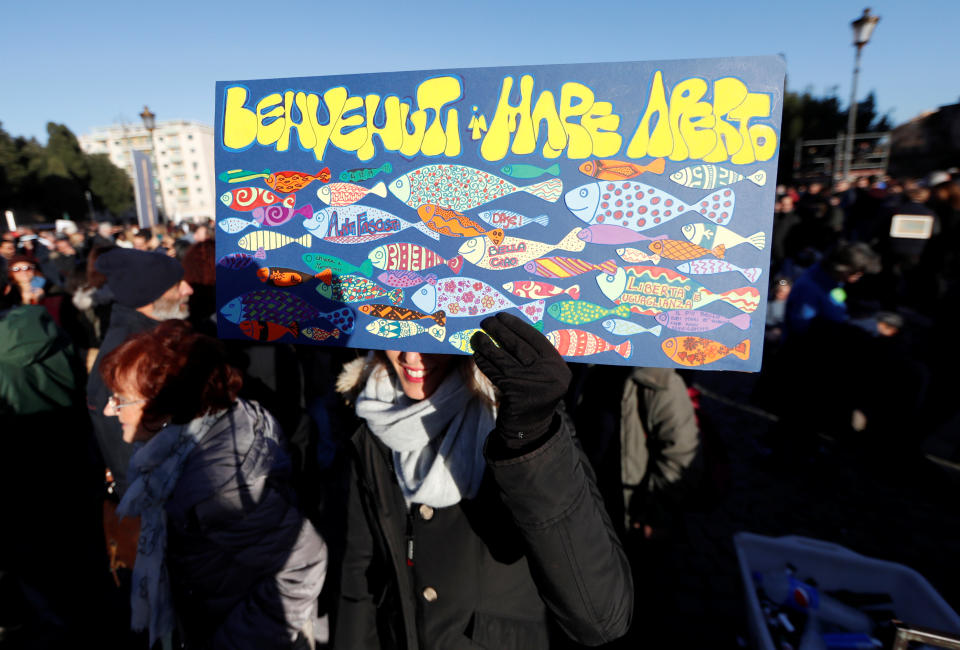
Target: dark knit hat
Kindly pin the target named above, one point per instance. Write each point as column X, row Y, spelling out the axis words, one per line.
column 137, row 278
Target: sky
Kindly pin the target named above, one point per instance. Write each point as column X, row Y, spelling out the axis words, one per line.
column 99, row 63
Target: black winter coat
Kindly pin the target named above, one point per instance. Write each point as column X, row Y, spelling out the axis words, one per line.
column 531, row 562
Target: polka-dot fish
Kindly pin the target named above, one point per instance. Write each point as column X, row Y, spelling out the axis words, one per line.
column 638, row 206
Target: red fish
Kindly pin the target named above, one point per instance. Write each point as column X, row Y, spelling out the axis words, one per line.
column 577, row 343
column 280, row 277
column 286, row 182
column 618, row 170
column 245, row 199
column 263, row 330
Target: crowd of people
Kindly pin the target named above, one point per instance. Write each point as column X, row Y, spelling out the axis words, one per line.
column 174, row 487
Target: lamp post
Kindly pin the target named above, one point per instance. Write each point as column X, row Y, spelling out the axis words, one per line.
column 862, row 30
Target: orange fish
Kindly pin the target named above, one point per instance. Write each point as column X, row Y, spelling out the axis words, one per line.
column 286, row 182
column 674, row 249
column 618, row 170
column 280, row 277
column 392, row 312
column 263, row 330
column 455, row 224
column 696, row 351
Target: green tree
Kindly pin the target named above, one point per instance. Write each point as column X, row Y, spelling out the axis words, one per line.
column 110, row 185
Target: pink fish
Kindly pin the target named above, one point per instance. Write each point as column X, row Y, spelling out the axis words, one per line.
column 535, row 290
column 683, row 320
column 340, row 194
column 614, row 235
column 577, row 343
column 401, row 278
column 275, row 215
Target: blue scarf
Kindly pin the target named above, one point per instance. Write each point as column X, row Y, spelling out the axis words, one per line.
column 154, row 471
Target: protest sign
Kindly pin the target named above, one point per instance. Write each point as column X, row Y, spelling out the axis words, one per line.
column 624, row 209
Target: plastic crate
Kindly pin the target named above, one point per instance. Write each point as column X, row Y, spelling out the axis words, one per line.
column 915, row 602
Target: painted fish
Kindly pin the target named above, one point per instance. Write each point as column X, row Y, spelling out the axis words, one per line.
column 699, row 321
column 653, row 289
column 281, row 277
column 340, row 194
column 353, row 288
column 675, row 249
column 577, row 343
column 463, row 188
column 276, row 215
column 235, row 261
column 364, row 174
column 535, row 289
column 391, row 329
column 620, row 327
column 609, row 234
column 710, row 177
column 245, row 199
column 638, row 206
column 288, row 181
column 233, row 225
column 267, row 241
column 696, row 351
column 404, row 256
column 359, row 224
column 241, row 175
column 455, row 224
column 566, row 267
column 708, row 236
column 321, row 261
column 406, row 278
column 525, row 171
column 507, row 219
column 284, row 308
column 392, row 312
column 618, row 170
column 463, row 297
column 262, row 330
column 319, row 334
column 711, row 267
column 579, row 312
column 636, row 256
column 514, row 251
column 461, row 340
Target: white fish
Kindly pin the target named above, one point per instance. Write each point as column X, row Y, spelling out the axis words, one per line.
column 622, row 327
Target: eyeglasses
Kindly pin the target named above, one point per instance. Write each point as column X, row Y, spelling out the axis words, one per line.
column 21, row 267
column 116, row 405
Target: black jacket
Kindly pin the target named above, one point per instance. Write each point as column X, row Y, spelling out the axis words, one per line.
column 124, row 323
column 532, row 554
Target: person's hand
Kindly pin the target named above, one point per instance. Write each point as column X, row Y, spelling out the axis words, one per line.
column 530, row 374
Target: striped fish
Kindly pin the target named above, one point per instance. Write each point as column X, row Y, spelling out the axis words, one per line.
column 711, row 267
column 565, row 267
column 577, row 343
column 535, row 290
column 405, row 256
column 267, row 240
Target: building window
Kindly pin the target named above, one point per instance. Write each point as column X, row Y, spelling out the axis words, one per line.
column 195, row 166
column 189, row 136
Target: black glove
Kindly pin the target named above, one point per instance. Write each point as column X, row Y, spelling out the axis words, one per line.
column 530, row 374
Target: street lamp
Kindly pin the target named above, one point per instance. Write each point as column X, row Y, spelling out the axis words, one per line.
column 862, row 30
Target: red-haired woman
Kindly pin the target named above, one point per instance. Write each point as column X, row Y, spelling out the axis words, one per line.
column 224, row 549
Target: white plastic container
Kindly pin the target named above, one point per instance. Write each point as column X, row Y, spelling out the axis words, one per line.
column 915, row 602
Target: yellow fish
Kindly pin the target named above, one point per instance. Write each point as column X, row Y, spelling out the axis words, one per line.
column 514, row 251
column 267, row 240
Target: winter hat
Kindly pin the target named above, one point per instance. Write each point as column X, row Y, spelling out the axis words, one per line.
column 137, row 278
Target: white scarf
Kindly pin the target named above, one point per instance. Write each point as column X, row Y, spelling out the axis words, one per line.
column 437, row 442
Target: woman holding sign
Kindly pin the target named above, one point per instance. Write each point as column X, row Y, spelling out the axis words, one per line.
column 474, row 519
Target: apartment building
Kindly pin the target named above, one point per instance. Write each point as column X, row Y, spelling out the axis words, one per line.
column 182, row 154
